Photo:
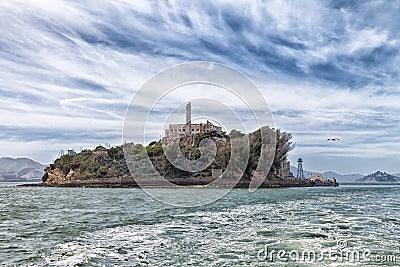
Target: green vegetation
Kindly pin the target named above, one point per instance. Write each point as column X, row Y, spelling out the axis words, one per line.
column 99, row 163
column 153, row 151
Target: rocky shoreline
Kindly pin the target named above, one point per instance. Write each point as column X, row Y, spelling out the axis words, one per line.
column 184, row 182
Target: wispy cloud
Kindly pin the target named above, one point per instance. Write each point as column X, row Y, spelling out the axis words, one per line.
column 68, row 69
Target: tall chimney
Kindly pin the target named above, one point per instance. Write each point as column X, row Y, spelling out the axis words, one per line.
column 188, row 114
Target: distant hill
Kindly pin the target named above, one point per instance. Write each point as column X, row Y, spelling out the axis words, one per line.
column 379, row 177
column 20, row 170
column 341, row 178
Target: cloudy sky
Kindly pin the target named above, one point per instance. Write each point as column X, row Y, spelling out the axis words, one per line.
column 68, row 70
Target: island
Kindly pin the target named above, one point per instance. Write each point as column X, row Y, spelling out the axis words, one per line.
column 107, row 167
column 265, row 151
column 379, row 177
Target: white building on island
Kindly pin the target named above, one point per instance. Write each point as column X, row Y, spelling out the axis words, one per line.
column 188, row 128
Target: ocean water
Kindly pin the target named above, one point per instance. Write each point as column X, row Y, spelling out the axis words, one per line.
column 126, row 227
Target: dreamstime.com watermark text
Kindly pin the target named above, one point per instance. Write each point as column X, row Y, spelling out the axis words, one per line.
column 270, row 254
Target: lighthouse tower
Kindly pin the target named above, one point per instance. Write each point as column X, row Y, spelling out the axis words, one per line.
column 300, row 172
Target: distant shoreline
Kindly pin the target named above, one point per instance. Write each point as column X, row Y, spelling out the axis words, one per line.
column 369, row 183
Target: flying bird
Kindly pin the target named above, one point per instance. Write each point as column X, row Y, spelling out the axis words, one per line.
column 333, row 139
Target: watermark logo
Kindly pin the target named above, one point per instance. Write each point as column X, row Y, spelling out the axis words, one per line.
column 341, row 244
column 340, row 253
column 221, row 99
